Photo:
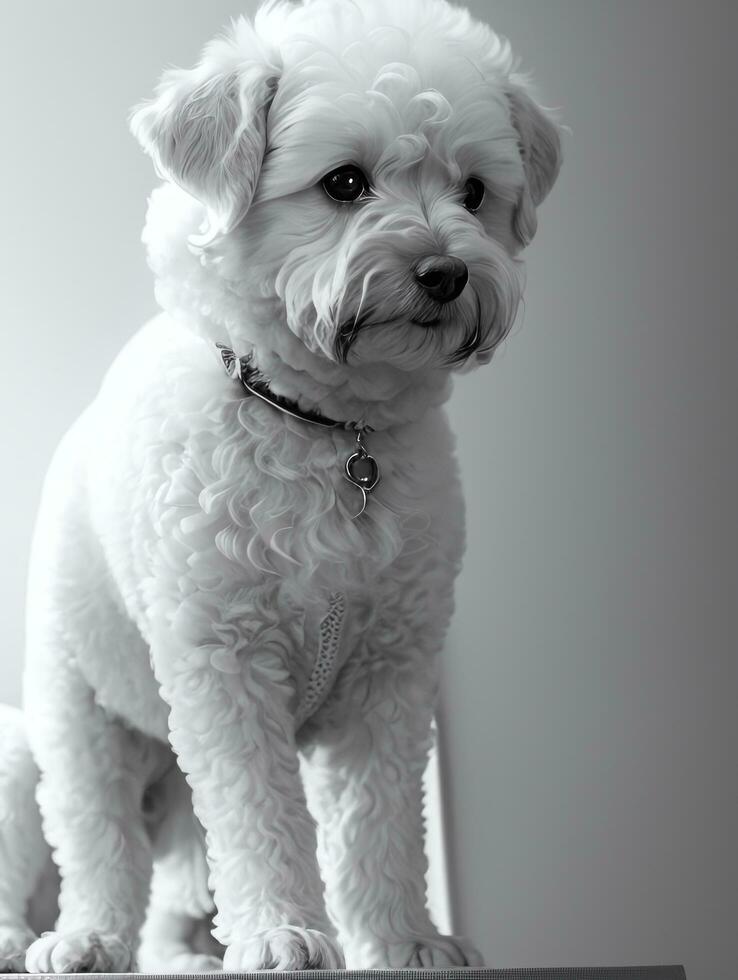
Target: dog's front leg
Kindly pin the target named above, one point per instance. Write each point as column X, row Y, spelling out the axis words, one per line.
column 232, row 730
column 364, row 774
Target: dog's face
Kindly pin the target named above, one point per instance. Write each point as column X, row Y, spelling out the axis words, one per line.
column 370, row 170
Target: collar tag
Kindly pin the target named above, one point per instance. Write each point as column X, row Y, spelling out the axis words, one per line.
column 360, row 469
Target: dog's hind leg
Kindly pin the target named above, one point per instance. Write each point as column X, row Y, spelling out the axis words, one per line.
column 24, row 853
column 176, row 934
column 175, row 942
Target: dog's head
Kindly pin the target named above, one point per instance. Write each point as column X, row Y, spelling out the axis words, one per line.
column 364, row 171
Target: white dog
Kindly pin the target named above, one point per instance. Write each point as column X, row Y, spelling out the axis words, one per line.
column 264, row 580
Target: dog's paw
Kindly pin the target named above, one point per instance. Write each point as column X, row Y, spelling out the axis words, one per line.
column 284, row 948
column 79, row 952
column 13, row 945
column 429, row 953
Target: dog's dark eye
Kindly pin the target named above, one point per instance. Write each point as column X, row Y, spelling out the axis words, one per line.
column 474, row 194
column 345, row 184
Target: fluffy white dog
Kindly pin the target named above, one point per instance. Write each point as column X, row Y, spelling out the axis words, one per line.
column 349, row 184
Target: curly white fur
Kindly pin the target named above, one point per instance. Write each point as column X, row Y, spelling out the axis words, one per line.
column 175, row 933
column 189, row 539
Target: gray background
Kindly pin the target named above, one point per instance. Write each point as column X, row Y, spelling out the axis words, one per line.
column 589, row 716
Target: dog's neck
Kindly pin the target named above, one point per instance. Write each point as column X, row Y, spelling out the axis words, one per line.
column 373, row 396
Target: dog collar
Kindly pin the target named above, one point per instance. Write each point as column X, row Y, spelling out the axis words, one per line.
column 360, row 469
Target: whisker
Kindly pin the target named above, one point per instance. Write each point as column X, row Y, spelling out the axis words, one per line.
column 471, row 343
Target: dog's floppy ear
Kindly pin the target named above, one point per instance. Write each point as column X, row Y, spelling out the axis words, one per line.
column 540, row 150
column 206, row 127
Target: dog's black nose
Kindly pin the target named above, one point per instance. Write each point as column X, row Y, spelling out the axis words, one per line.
column 442, row 276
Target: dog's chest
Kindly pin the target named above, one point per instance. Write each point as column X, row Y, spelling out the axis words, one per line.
column 333, row 637
column 322, row 639
column 257, row 496
column 216, row 502
column 327, row 651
